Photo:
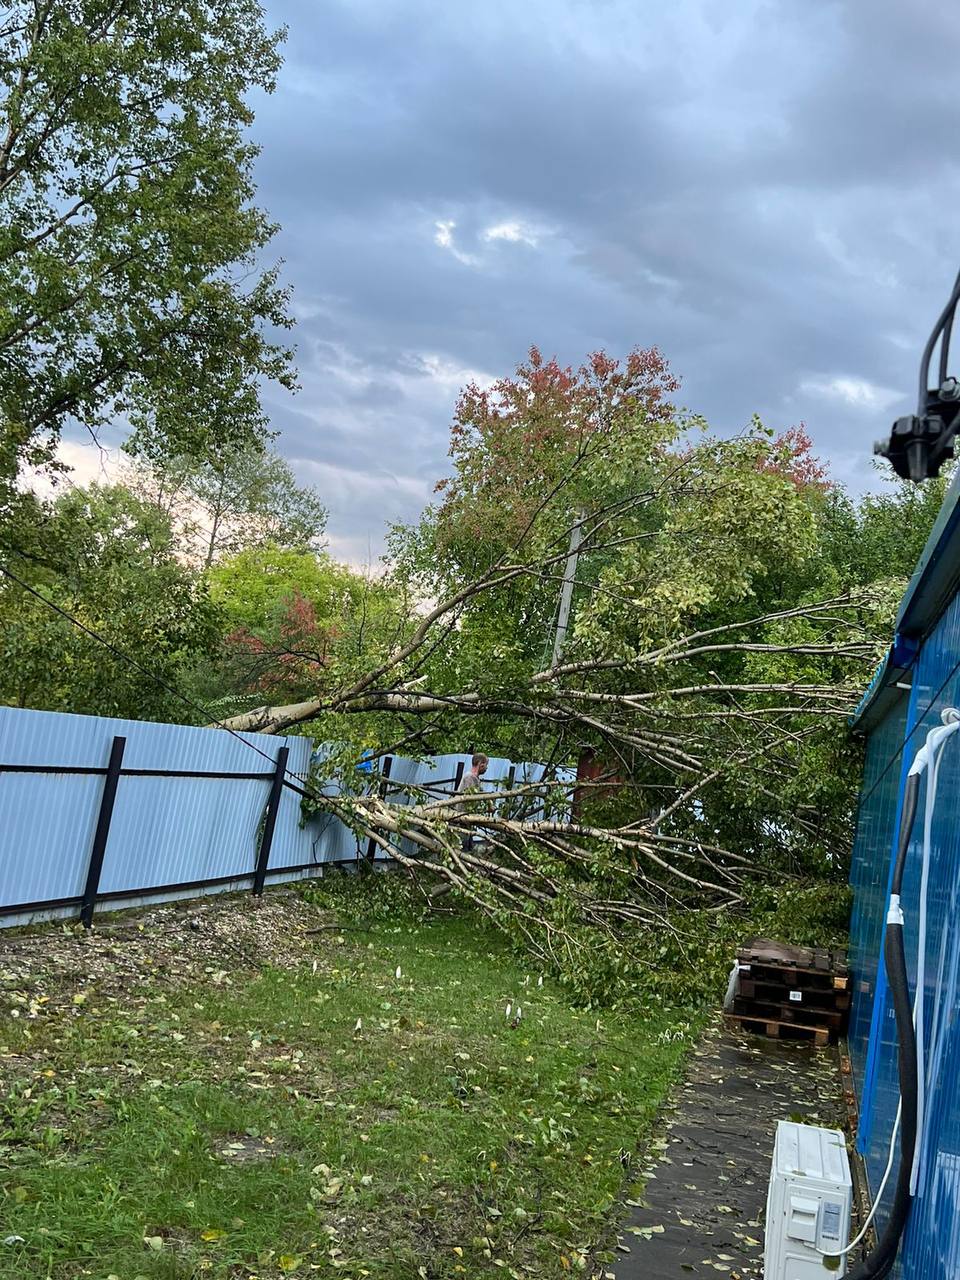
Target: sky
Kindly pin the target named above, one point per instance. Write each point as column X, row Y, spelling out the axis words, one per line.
column 767, row 191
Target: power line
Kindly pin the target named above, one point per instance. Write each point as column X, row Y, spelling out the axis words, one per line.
column 125, row 657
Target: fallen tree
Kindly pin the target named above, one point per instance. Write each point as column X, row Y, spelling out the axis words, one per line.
column 704, row 661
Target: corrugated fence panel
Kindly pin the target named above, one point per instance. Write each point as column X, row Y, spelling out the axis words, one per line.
column 328, row 839
column 164, row 831
column 45, row 843
column 48, row 820
column 171, row 833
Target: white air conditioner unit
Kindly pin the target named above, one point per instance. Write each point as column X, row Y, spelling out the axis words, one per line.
column 808, row 1204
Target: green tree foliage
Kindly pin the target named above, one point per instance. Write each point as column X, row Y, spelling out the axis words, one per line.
column 880, row 537
column 684, row 533
column 295, row 622
column 109, row 559
column 712, row 661
column 129, row 243
column 227, row 502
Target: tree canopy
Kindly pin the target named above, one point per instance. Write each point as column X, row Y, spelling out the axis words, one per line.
column 130, row 276
column 107, row 559
column 718, row 641
column 230, row 501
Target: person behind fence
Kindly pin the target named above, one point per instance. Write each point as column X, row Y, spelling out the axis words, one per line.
column 472, row 782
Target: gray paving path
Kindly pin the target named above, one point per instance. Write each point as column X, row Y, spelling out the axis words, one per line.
column 702, row 1207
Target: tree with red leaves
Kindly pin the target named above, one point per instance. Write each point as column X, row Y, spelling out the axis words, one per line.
column 708, row 653
column 794, row 459
column 514, row 442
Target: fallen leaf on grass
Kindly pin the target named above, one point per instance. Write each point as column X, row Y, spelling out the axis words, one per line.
column 289, row 1261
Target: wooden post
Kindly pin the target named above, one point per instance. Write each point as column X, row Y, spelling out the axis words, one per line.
column 566, row 593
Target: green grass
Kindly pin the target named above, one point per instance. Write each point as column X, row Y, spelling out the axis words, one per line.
column 436, row 1141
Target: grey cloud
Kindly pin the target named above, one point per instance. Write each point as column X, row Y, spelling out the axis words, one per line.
column 765, row 191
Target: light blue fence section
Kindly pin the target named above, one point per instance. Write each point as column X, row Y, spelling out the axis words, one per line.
column 164, row 831
column 174, row 836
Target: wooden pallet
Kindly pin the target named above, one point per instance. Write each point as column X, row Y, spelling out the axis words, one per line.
column 803, row 966
column 752, row 987
column 786, row 1011
column 802, row 992
column 776, row 1030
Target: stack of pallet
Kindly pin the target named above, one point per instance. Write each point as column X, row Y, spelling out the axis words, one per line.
column 797, row 993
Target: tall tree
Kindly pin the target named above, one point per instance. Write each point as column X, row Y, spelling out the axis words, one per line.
column 129, row 243
column 231, row 500
column 109, row 560
column 713, row 658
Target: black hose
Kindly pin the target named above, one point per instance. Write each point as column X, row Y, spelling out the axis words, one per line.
column 941, row 328
column 880, row 1261
column 910, row 794
column 945, row 340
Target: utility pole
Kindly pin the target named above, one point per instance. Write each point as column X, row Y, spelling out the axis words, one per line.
column 566, row 593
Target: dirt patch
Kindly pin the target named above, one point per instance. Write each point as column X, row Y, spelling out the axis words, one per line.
column 240, row 1148
column 187, row 943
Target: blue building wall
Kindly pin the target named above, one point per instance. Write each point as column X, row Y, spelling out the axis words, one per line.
column 931, row 1247
column 877, row 819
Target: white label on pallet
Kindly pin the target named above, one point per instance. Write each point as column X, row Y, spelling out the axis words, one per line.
column 796, row 996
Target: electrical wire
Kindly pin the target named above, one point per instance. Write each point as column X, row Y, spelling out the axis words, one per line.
column 859, row 1238
column 125, row 657
column 927, row 760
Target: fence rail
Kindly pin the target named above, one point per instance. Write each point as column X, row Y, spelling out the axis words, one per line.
column 101, row 812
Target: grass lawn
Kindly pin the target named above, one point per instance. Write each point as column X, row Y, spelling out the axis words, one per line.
column 214, row 1091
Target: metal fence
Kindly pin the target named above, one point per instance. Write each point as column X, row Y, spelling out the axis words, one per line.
column 95, row 811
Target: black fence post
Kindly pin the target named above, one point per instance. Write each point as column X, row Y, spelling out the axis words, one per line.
column 509, row 803
column 89, row 900
column 381, row 791
column 273, row 807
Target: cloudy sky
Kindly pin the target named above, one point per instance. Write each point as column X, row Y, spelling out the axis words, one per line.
column 766, row 190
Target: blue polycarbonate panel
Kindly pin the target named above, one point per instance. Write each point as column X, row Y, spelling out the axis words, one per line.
column 931, row 1246
column 869, row 871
